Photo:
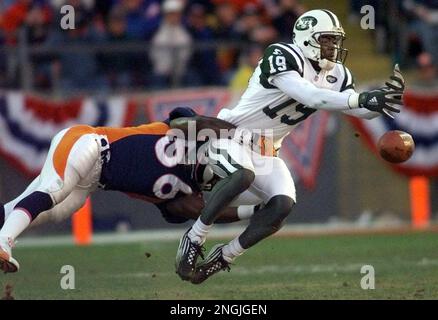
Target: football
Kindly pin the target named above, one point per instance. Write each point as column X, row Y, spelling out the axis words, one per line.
column 396, row 146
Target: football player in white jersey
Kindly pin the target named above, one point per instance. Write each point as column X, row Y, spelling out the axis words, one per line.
column 292, row 81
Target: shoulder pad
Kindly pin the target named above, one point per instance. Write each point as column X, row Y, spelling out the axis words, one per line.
column 281, row 57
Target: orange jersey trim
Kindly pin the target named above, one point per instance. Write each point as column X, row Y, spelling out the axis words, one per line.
column 64, row 147
column 115, row 134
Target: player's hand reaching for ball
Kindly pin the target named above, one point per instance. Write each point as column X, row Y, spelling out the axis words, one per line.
column 385, row 100
column 396, row 82
column 381, row 100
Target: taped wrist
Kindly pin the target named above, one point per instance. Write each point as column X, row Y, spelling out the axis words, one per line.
column 353, row 101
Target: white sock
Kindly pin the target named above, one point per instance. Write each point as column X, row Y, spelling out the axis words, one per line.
column 245, row 212
column 199, row 232
column 8, row 209
column 232, row 250
column 16, row 223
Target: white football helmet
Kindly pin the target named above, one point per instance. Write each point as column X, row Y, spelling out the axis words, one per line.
column 307, row 31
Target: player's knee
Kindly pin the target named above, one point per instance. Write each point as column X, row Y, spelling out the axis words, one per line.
column 246, row 177
column 281, row 207
column 281, row 203
column 35, row 203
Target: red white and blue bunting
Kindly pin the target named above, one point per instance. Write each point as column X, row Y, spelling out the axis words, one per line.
column 205, row 102
column 418, row 117
column 28, row 124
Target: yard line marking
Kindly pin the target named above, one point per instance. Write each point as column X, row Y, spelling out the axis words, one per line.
column 219, row 232
column 297, row 269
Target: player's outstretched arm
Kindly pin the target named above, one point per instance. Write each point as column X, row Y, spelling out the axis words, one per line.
column 305, row 92
column 189, row 207
column 395, row 85
column 382, row 100
column 386, row 99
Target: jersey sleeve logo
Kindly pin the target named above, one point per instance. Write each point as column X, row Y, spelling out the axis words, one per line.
column 331, row 79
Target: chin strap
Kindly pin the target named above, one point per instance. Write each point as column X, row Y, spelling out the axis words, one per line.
column 325, row 64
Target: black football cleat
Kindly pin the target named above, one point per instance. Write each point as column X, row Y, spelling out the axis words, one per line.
column 214, row 263
column 186, row 257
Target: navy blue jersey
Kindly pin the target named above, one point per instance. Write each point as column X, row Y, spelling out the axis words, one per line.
column 138, row 164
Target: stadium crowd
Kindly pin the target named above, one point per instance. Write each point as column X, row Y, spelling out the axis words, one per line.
column 161, row 24
column 225, row 37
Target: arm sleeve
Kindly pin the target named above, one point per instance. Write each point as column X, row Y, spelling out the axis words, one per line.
column 308, row 94
column 169, row 216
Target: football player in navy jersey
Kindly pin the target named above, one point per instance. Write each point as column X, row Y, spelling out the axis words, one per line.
column 133, row 160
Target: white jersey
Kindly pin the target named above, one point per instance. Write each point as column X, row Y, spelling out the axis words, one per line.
column 265, row 107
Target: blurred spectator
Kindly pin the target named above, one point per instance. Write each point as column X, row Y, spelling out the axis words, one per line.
column 226, row 17
column 249, row 62
column 220, row 30
column 239, row 5
column 427, row 71
column 37, row 22
column 3, row 63
column 382, row 30
column 264, row 35
column 85, row 4
column 284, row 18
column 103, row 8
column 33, row 17
column 13, row 18
column 83, row 10
column 117, row 65
column 354, row 14
column 425, row 24
column 170, row 49
column 31, row 13
column 142, row 17
column 78, row 70
column 202, row 58
column 249, row 20
column 226, row 31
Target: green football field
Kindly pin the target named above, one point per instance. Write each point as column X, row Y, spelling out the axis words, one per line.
column 309, row 267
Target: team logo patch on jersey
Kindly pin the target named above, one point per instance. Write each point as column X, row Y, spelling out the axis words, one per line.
column 331, row 79
column 306, row 22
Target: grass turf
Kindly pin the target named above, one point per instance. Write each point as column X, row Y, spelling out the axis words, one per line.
column 323, row 267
